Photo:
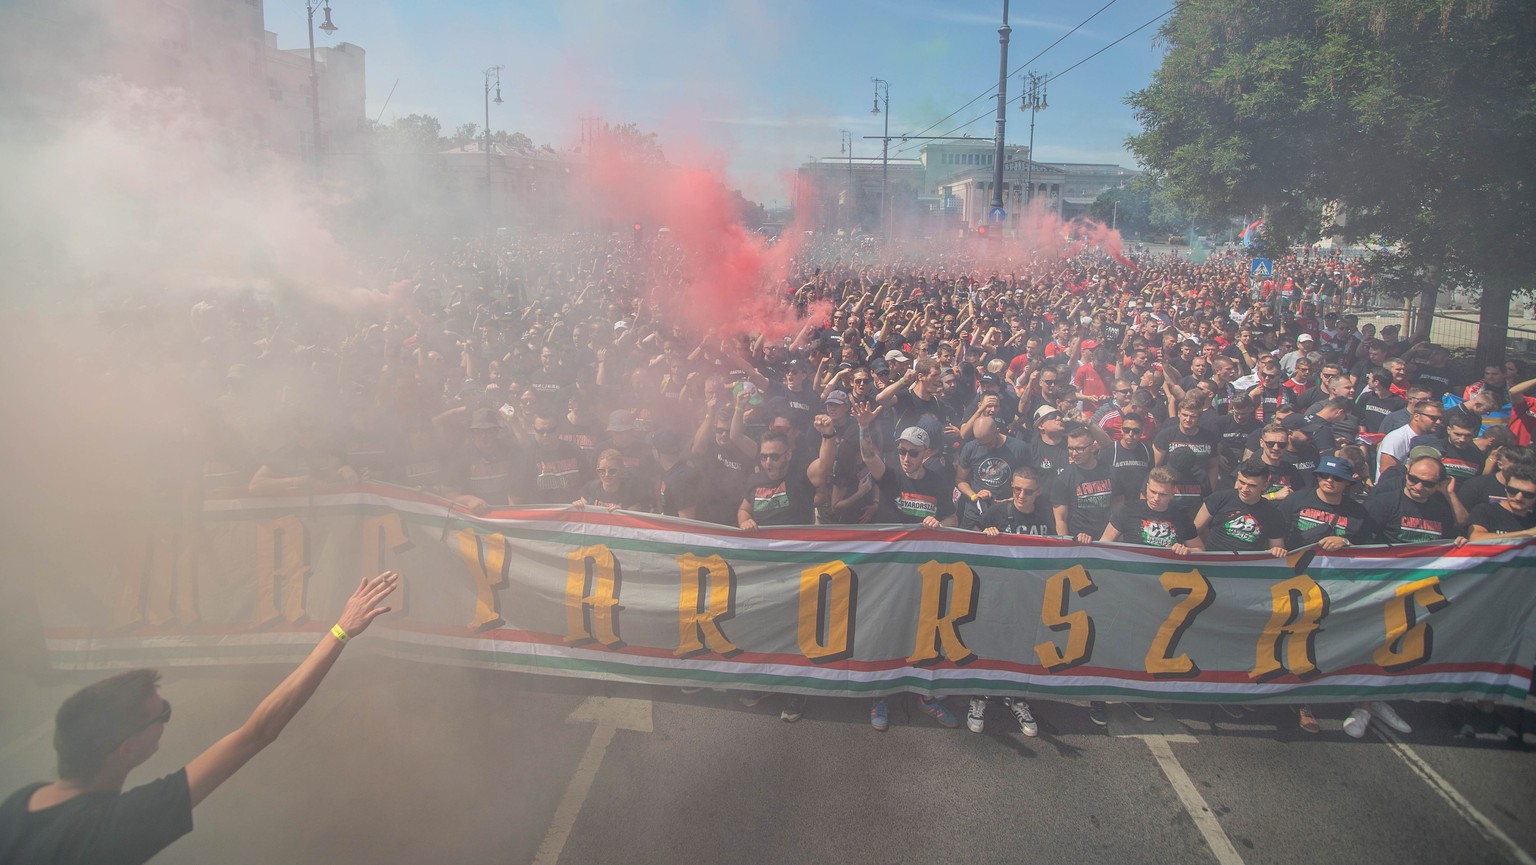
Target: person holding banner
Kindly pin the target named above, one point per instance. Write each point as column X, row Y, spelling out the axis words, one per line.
column 106, row 730
column 1150, row 522
column 1242, row 519
column 912, row 495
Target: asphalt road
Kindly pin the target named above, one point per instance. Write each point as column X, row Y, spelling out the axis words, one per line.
column 395, row 762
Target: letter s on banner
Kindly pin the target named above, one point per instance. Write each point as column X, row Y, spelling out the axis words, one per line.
column 1054, row 615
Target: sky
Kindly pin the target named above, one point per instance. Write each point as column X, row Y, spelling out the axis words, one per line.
column 751, row 87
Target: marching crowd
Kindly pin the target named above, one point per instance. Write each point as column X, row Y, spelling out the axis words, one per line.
column 1147, row 401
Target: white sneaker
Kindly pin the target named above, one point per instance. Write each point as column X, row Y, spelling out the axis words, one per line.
column 1357, row 722
column 1389, row 716
column 1027, row 724
column 976, row 718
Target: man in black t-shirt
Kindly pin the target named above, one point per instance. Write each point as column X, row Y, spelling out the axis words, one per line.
column 1083, row 493
column 1025, row 512
column 106, row 730
column 681, row 486
column 1422, row 508
column 1515, row 517
column 1188, row 435
column 1241, row 519
column 1152, row 521
column 1048, row 443
column 1326, row 515
column 777, row 495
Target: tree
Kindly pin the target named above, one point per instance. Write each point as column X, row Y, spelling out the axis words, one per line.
column 629, row 144
column 467, row 133
column 1142, row 209
column 1418, row 116
column 414, row 133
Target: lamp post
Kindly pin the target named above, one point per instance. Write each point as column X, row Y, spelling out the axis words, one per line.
column 314, row 75
column 847, row 147
column 1032, row 101
column 881, row 85
column 493, row 73
column 1002, row 110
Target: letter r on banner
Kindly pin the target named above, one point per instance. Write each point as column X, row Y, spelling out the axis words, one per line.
column 937, row 622
column 1298, row 607
column 698, row 626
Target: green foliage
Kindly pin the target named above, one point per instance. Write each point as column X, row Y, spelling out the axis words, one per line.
column 1418, row 115
column 1142, row 209
column 414, row 133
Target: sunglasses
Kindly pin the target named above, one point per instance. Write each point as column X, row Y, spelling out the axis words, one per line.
column 772, row 456
column 543, row 431
column 909, row 452
column 1419, row 482
column 1273, row 444
column 607, row 472
column 163, row 718
column 1514, row 493
column 1027, row 491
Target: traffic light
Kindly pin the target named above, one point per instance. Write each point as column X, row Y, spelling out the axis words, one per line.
column 981, row 230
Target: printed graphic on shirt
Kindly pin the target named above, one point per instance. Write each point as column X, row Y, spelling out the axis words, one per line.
column 1311, row 519
column 917, row 505
column 1094, row 494
column 1158, row 533
column 1414, row 529
column 557, row 474
column 770, row 498
column 992, row 473
column 1241, row 527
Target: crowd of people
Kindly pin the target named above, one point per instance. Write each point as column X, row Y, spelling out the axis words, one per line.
column 1144, row 400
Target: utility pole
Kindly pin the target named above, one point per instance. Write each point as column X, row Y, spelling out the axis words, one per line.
column 885, row 155
column 314, row 74
column 1002, row 112
column 1032, row 101
column 493, row 73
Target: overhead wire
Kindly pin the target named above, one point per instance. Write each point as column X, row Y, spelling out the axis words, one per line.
column 1048, row 80
column 993, row 91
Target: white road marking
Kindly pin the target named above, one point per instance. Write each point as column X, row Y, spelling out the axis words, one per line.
column 25, row 741
column 1453, row 797
column 1215, row 837
column 611, row 714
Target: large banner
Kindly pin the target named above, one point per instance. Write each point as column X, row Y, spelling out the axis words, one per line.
column 828, row 610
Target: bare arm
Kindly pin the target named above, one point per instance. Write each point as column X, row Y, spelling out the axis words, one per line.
column 215, row 766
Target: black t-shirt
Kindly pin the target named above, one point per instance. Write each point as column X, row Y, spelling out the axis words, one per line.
column 1401, row 520
column 1461, row 463
column 1498, row 519
column 1483, row 489
column 1130, row 466
column 1234, row 433
column 554, row 474
column 910, row 500
column 1240, row 527
column 991, row 468
column 787, row 502
column 1048, row 458
column 1008, row 519
column 1286, row 477
column 1086, row 494
column 102, row 828
column 1374, row 409
column 1202, row 444
column 1308, row 520
column 681, row 487
column 1139, row 524
column 630, row 496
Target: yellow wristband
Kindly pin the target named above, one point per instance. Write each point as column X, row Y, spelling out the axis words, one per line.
column 340, row 635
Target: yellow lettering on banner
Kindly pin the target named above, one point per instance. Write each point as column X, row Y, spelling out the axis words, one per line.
column 1298, row 606
column 1198, row 595
column 832, row 618
column 602, row 601
column 382, row 535
column 282, row 551
column 698, row 629
column 158, row 567
column 486, row 558
column 1408, row 643
column 937, row 621
column 1054, row 615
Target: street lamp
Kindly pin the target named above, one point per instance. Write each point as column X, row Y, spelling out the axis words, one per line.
column 493, row 73
column 846, row 146
column 1032, row 101
column 881, row 85
column 314, row 75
